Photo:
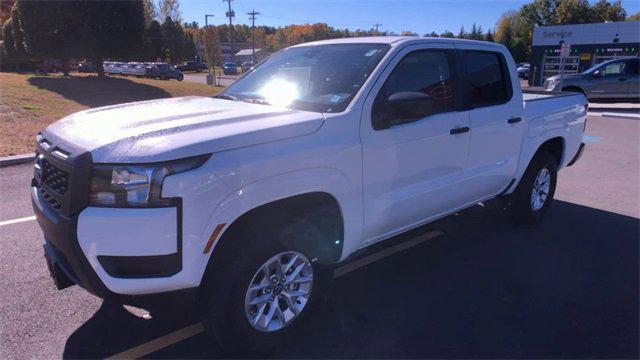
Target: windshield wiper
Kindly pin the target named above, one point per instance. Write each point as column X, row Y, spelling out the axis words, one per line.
column 257, row 101
column 226, row 97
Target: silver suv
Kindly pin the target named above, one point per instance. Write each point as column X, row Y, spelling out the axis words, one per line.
column 613, row 79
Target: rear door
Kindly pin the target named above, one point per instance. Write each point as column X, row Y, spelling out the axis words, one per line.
column 494, row 98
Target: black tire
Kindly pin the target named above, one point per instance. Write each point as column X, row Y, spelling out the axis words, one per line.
column 180, row 77
column 163, row 77
column 233, row 267
column 522, row 209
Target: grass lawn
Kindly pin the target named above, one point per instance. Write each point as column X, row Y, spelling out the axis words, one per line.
column 28, row 103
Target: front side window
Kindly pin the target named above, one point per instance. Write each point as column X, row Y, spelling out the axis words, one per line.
column 320, row 78
column 487, row 78
column 419, row 86
column 615, row 68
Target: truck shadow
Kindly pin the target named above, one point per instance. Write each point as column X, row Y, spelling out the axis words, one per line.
column 94, row 92
column 487, row 288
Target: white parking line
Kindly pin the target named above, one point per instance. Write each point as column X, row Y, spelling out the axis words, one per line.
column 160, row 343
column 195, row 329
column 18, row 220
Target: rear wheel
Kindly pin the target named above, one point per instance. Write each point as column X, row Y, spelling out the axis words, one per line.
column 262, row 287
column 163, row 77
column 534, row 194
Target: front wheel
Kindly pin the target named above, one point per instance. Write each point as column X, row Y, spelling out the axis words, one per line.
column 534, row 194
column 262, row 288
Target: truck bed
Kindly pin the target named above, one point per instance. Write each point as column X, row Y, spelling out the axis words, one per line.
column 547, row 103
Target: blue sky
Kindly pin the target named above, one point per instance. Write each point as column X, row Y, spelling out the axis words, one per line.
column 420, row 16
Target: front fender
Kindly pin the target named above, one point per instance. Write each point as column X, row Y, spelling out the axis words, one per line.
column 299, row 182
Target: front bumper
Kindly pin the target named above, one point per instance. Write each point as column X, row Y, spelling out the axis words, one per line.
column 102, row 249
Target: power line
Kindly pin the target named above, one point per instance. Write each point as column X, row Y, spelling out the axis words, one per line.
column 252, row 17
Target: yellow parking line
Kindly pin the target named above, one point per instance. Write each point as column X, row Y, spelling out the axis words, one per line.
column 160, row 343
column 195, row 329
column 355, row 265
column 18, row 220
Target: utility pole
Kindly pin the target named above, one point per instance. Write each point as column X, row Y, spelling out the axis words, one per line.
column 252, row 17
column 377, row 25
column 206, row 18
column 230, row 15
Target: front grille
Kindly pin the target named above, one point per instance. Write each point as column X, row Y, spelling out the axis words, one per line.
column 56, row 179
column 49, row 199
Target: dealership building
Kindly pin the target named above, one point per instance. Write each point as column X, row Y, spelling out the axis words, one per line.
column 590, row 44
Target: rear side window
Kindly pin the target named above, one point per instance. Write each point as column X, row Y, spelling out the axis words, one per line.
column 487, row 77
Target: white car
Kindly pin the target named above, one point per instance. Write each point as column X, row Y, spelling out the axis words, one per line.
column 113, row 67
column 247, row 199
column 134, row 69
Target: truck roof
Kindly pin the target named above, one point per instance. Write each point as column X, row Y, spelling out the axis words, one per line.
column 396, row 40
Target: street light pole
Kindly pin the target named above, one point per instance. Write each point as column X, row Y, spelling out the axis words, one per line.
column 206, row 25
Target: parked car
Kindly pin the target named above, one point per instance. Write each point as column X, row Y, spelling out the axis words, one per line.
column 196, row 66
column 163, row 71
column 247, row 65
column 611, row 80
column 134, row 69
column 247, row 200
column 113, row 68
column 230, row 68
column 523, row 71
column 87, row 67
column 49, row 66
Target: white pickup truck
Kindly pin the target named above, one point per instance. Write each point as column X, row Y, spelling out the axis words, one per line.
column 247, row 198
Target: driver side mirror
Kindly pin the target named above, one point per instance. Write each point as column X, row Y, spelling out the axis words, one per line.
column 401, row 107
column 598, row 74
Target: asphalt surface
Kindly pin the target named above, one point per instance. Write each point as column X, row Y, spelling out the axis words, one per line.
column 567, row 288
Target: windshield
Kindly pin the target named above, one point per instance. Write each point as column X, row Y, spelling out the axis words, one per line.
column 320, row 78
column 595, row 67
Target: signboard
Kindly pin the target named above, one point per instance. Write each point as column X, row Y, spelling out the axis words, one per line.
column 565, row 49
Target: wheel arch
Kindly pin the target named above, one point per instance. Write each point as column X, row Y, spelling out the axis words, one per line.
column 556, row 145
column 321, row 209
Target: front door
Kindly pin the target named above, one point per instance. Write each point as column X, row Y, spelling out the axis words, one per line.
column 413, row 160
column 612, row 82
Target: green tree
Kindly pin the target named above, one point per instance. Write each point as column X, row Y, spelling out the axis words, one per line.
column 171, row 9
column 603, row 11
column 634, row 17
column 573, row 12
column 447, row 34
column 462, row 34
column 489, row 36
column 50, row 28
column 153, row 41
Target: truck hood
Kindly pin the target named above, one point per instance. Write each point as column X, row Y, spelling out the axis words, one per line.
column 167, row 129
column 566, row 77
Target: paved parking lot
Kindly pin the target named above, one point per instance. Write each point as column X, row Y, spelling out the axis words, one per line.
column 484, row 288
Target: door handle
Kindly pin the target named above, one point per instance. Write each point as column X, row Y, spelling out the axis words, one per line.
column 459, row 130
column 514, row 120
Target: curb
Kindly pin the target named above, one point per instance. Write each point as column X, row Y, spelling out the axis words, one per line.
column 16, row 159
column 615, row 115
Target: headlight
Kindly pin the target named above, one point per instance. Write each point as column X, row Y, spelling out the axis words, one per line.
column 136, row 185
column 551, row 83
